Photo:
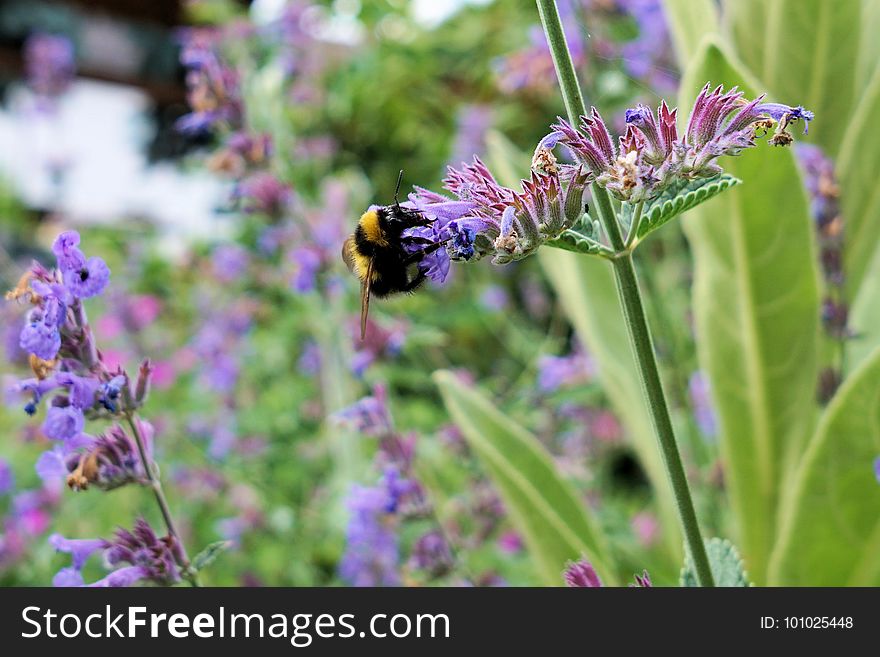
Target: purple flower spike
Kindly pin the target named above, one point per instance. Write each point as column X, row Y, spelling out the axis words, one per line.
column 581, row 574
column 124, row 577
column 80, row 549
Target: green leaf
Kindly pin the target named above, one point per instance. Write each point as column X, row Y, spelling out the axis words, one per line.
column 680, row 198
column 586, row 289
column 725, row 562
column 756, row 306
column 580, row 238
column 830, row 523
column 689, row 22
column 864, row 318
column 869, row 45
column 206, row 557
column 544, row 508
column 858, row 164
column 804, row 52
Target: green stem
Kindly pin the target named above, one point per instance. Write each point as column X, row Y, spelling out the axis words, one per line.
column 156, row 486
column 633, row 233
column 633, row 310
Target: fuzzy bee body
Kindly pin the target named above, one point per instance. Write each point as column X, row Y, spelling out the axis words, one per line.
column 377, row 253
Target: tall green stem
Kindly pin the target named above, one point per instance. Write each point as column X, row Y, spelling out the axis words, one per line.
column 633, row 310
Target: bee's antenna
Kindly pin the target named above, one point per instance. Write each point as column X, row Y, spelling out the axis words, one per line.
column 397, row 189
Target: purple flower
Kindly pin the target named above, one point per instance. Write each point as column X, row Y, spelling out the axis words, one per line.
column 263, row 193
column 49, row 64
column 52, row 464
column 371, row 552
column 40, row 338
column 698, row 388
column 306, row 265
column 471, row 126
column 431, row 554
column 63, row 423
column 83, row 277
column 80, row 549
column 368, row 415
column 877, row 469
column 213, row 87
column 643, row 581
column 124, row 577
column 111, row 460
column 555, row 372
column 141, row 547
column 230, row 262
column 7, row 477
column 581, row 574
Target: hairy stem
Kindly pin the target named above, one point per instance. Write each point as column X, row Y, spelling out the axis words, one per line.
column 156, row 485
column 633, row 310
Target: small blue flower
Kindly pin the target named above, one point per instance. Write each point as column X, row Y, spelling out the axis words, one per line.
column 786, row 114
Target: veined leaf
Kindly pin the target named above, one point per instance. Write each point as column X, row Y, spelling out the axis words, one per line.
column 544, row 508
column 681, row 198
column 830, row 523
column 580, row 238
column 805, row 53
column 756, row 306
column 689, row 22
column 725, row 563
column 858, row 164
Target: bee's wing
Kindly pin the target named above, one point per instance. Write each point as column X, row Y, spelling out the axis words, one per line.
column 348, row 253
column 365, row 298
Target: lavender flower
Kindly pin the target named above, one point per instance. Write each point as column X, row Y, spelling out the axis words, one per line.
column 642, row 581
column 213, row 87
column 229, row 262
column 431, row 555
column 111, row 461
column 371, row 550
column 141, row 547
column 490, row 219
column 49, row 64
column 80, row 549
column 7, row 477
column 555, row 372
column 698, row 388
column 263, row 193
column 581, row 574
column 368, row 415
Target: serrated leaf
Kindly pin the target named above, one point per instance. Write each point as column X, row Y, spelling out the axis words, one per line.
column 576, row 239
column 680, row 198
column 207, row 556
column 555, row 523
column 756, row 306
column 830, row 520
column 725, row 563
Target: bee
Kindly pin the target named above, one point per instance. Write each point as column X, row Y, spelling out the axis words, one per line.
column 377, row 252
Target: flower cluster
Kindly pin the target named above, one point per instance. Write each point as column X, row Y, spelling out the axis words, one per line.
column 487, row 218
column 824, row 192
column 650, row 155
column 490, row 219
column 149, row 557
column 213, row 87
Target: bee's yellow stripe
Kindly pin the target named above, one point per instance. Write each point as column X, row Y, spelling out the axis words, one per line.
column 370, row 223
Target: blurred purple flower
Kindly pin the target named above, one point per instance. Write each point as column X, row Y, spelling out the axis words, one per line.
column 229, row 262
column 371, row 552
column 643, row 581
column 555, row 372
column 7, row 477
column 49, row 64
column 877, row 469
column 263, row 193
column 431, row 554
column 213, row 87
column 698, row 388
column 368, row 415
column 581, row 574
column 472, row 124
column 306, row 265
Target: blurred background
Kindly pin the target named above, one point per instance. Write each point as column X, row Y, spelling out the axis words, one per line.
column 216, row 153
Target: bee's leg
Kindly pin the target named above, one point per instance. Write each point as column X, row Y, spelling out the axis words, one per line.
column 417, row 280
column 421, row 253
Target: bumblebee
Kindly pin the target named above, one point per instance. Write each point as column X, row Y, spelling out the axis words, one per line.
column 377, row 252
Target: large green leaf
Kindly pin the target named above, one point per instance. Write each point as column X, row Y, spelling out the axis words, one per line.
column 864, row 318
column 858, row 165
column 757, row 317
column 804, row 52
column 689, row 22
column 830, row 523
column 543, row 507
column 585, row 287
column 869, row 45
